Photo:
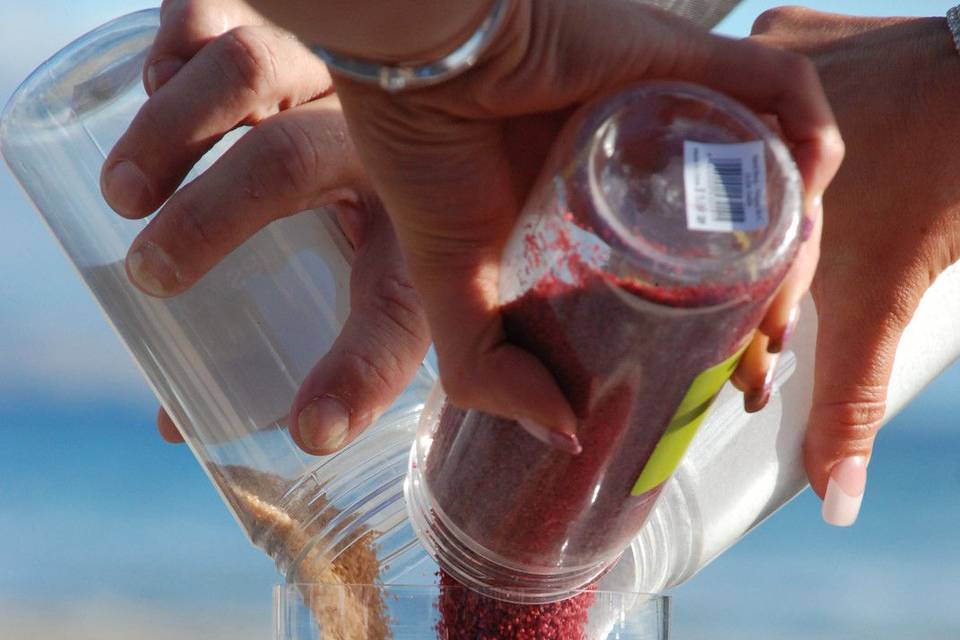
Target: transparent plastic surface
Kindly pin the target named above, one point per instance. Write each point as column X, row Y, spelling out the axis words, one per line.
column 226, row 362
column 640, row 318
column 226, row 357
column 403, row 612
column 742, row 468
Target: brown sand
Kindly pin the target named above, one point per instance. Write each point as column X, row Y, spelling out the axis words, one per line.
column 352, row 611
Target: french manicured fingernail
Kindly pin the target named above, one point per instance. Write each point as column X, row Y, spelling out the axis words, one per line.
column 160, row 72
column 848, row 481
column 324, row 423
column 776, row 345
column 125, row 188
column 153, row 271
column 567, row 442
column 757, row 399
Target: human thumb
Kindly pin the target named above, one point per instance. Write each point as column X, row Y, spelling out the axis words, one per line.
column 854, row 360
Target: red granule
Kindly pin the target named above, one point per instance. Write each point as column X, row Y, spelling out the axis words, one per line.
column 625, row 354
column 467, row 615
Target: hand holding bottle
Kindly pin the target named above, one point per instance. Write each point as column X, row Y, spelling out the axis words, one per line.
column 213, row 67
column 893, row 222
column 480, row 140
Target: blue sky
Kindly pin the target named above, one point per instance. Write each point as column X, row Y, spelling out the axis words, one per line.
column 99, row 521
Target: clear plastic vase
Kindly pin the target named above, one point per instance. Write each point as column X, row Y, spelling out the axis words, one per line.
column 404, row 612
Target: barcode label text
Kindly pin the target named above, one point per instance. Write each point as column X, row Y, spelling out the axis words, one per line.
column 725, row 186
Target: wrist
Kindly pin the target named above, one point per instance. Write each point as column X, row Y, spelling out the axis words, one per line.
column 438, row 65
column 937, row 65
column 387, row 31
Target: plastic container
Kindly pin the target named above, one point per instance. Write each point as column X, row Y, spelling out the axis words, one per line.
column 666, row 217
column 293, row 277
column 742, row 468
column 226, row 357
column 402, row 612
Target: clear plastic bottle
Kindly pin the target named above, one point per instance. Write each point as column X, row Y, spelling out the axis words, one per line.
column 226, row 357
column 742, row 468
column 666, row 217
column 283, row 298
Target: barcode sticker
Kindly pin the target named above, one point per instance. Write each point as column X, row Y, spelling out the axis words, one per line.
column 725, row 186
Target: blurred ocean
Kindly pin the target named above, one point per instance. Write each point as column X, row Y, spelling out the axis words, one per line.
column 107, row 533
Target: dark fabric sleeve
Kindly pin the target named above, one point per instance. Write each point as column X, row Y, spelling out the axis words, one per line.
column 706, row 13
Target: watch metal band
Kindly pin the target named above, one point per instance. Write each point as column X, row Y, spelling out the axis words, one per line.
column 953, row 21
column 400, row 77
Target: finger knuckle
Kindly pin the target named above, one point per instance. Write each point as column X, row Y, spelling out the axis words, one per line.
column 461, row 382
column 292, row 159
column 857, row 418
column 459, row 386
column 396, row 301
column 382, row 370
column 799, row 69
column 901, row 304
column 246, row 57
column 189, row 23
column 834, row 147
column 776, row 18
column 191, row 229
column 767, row 21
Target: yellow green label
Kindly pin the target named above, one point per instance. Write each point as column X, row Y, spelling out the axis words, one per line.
column 684, row 424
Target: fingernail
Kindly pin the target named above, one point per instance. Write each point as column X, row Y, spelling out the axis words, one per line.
column 125, row 188
column 323, row 424
column 776, row 345
column 808, row 222
column 757, row 399
column 566, row 442
column 153, row 271
column 845, row 489
column 160, row 72
column 351, row 221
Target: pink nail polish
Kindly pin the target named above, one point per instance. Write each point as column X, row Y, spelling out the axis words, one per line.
column 756, row 400
column 807, row 223
column 845, row 489
column 566, row 442
column 776, row 345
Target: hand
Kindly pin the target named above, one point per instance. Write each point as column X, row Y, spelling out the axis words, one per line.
column 893, row 221
column 215, row 65
column 454, row 162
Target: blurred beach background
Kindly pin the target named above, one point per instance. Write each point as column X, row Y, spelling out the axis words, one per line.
column 108, row 533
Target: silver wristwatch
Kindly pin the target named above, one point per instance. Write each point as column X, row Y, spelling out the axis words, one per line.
column 399, row 77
